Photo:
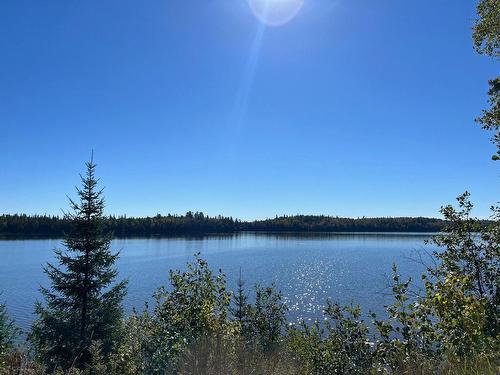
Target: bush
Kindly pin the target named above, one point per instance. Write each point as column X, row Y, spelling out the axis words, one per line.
column 339, row 346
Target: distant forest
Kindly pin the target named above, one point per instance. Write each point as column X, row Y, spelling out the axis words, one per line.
column 199, row 223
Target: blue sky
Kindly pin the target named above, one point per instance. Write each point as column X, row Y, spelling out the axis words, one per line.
column 354, row 108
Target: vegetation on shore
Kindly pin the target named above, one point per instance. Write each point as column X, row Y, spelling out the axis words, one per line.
column 199, row 223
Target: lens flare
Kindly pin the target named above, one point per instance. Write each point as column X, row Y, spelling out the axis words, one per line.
column 275, row 12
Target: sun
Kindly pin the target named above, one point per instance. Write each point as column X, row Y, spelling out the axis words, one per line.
column 275, row 12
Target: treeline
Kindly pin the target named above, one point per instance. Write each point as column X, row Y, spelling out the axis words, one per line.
column 312, row 223
column 199, row 223
column 121, row 226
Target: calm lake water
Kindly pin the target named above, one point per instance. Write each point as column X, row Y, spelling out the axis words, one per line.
column 306, row 268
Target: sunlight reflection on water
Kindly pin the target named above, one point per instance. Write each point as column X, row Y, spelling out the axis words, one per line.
column 307, row 269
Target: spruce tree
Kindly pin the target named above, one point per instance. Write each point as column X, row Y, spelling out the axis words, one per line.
column 240, row 308
column 83, row 304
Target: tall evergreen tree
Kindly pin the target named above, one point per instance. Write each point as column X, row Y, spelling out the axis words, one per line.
column 240, row 308
column 83, row 304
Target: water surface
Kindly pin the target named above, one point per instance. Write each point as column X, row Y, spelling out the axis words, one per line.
column 306, row 268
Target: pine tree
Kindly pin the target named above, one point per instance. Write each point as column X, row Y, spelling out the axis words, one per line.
column 240, row 308
column 83, row 304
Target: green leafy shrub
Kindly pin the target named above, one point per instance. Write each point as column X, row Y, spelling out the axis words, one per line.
column 195, row 306
column 340, row 345
column 264, row 321
column 463, row 290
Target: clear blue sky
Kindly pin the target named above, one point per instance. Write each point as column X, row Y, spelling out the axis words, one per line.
column 354, row 108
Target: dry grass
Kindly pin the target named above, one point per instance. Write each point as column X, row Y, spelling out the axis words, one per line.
column 216, row 356
column 425, row 366
column 219, row 356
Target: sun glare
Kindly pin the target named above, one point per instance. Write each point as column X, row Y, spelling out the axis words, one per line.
column 275, row 12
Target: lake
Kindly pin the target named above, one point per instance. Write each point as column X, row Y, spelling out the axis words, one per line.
column 307, row 268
